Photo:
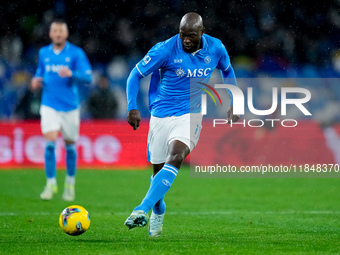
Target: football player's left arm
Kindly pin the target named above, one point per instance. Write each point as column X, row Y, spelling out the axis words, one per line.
column 228, row 77
column 83, row 71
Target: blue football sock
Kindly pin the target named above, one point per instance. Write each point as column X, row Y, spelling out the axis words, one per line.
column 50, row 168
column 160, row 185
column 160, row 206
column 71, row 160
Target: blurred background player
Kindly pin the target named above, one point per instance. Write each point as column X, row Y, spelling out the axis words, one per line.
column 61, row 67
column 102, row 103
column 175, row 122
column 329, row 116
column 28, row 104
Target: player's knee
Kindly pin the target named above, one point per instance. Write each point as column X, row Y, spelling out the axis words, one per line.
column 51, row 136
column 69, row 142
column 176, row 159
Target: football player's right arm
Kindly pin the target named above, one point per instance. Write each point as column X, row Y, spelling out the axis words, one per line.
column 132, row 88
column 39, row 74
column 154, row 60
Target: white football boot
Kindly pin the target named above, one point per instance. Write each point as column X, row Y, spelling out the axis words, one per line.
column 137, row 218
column 49, row 191
column 156, row 224
column 69, row 192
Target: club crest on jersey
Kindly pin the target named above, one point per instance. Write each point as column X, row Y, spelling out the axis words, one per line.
column 207, row 59
column 146, row 60
column 180, row 72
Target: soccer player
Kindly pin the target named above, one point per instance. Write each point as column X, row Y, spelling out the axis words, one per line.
column 173, row 63
column 61, row 67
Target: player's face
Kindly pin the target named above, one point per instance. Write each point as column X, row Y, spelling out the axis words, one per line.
column 58, row 33
column 190, row 38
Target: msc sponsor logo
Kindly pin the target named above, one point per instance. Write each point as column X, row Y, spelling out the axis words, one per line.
column 199, row 72
column 54, row 68
column 180, row 72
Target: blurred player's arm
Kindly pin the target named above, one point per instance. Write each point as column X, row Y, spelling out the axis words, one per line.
column 39, row 74
column 82, row 72
column 228, row 77
column 154, row 60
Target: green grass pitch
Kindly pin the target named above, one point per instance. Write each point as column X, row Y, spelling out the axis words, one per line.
column 204, row 216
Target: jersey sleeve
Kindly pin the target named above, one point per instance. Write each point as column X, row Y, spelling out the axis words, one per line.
column 132, row 88
column 40, row 70
column 153, row 60
column 83, row 70
column 224, row 61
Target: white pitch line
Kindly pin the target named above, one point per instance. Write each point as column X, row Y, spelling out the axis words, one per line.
column 4, row 214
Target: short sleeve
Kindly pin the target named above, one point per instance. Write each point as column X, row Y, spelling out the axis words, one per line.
column 155, row 59
column 224, row 61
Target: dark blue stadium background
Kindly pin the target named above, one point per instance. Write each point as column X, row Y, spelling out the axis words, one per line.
column 272, row 38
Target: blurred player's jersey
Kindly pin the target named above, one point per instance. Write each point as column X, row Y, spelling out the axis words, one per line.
column 59, row 93
column 173, row 70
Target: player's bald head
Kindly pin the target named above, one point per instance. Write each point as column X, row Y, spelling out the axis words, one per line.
column 190, row 31
column 192, row 21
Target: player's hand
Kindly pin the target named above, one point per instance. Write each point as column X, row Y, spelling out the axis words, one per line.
column 36, row 83
column 65, row 72
column 133, row 118
column 231, row 116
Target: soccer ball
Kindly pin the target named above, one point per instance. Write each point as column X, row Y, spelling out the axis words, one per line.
column 74, row 220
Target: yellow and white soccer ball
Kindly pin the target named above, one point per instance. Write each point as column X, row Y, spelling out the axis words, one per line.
column 74, row 220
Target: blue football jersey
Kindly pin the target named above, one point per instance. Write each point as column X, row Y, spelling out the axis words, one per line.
column 174, row 72
column 59, row 93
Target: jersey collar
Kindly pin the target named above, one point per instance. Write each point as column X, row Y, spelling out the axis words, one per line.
column 67, row 45
column 204, row 41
